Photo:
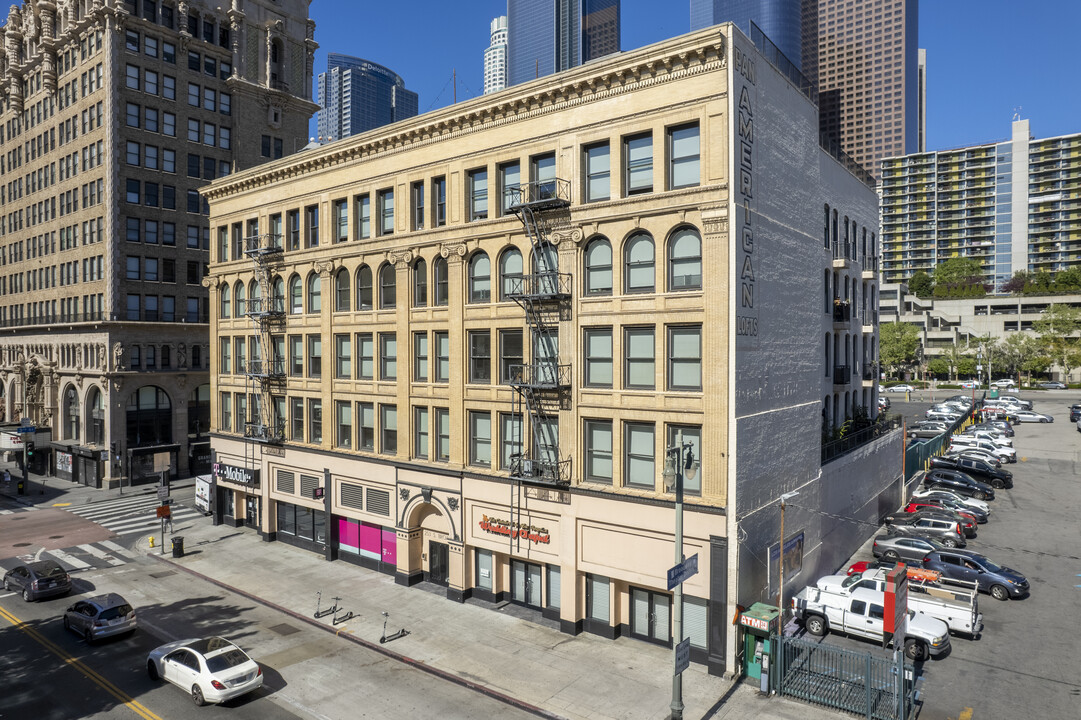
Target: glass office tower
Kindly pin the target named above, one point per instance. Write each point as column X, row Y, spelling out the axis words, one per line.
column 356, row 95
column 780, row 20
column 549, row 36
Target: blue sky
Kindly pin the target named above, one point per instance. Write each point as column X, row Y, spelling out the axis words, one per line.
column 986, row 58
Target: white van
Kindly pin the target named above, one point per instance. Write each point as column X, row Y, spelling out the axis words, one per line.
column 204, row 496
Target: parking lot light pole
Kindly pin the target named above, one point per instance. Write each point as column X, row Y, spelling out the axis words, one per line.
column 780, row 559
column 679, row 462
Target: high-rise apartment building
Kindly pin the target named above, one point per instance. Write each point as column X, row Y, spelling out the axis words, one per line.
column 549, row 36
column 1010, row 206
column 780, row 20
column 113, row 116
column 495, row 57
column 356, row 95
column 862, row 57
column 484, row 330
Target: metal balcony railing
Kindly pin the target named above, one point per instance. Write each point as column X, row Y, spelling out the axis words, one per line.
column 273, row 433
column 842, row 310
column 542, row 286
column 540, row 195
column 555, row 472
column 540, row 376
column 842, row 374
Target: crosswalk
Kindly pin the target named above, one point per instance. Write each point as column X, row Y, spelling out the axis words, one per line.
column 131, row 515
column 80, row 558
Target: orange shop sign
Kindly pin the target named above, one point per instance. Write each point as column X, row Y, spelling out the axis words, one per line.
column 524, row 531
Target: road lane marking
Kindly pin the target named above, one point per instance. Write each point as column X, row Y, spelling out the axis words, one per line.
column 69, row 559
column 101, row 554
column 61, row 504
column 132, row 704
column 117, row 548
column 966, row 714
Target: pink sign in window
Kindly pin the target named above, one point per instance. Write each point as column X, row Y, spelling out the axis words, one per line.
column 370, row 541
column 390, row 547
column 348, row 535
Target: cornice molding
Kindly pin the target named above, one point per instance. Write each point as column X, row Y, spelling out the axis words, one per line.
column 666, row 62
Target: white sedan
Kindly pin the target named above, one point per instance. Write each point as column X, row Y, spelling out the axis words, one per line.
column 900, row 388
column 961, row 499
column 1029, row 416
column 1004, row 383
column 211, row 669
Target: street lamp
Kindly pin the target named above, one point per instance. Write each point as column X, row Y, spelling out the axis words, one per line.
column 679, row 462
column 780, row 559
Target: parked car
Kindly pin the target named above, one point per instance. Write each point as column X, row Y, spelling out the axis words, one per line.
column 976, row 469
column 1025, row 404
column 1075, row 413
column 1029, row 416
column 999, row 413
column 1004, row 383
column 1052, row 385
column 968, row 502
column 928, row 428
column 975, row 454
column 101, row 616
column 990, row 434
column 1079, row 425
column 965, row 400
column 1001, row 582
column 947, row 530
column 950, row 417
column 964, row 443
column 883, row 403
column 970, row 384
column 904, row 548
column 914, row 571
column 901, row 388
column 1000, row 426
column 212, row 670
column 965, row 520
column 36, row 580
column 946, row 505
column 957, row 482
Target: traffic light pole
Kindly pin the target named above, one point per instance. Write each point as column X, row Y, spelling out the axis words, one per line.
column 26, row 472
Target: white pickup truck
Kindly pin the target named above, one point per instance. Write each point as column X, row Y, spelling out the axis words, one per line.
column 862, row 613
column 955, row 605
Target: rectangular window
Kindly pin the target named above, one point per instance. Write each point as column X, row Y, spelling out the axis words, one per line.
column 598, row 350
column 343, row 357
column 168, row 87
column 510, row 441
column 132, row 115
column 388, row 356
column 366, row 356
column 639, row 358
column 193, row 94
column 442, row 356
column 386, row 212
column 442, row 434
column 133, row 268
column 366, row 416
column 343, row 412
column 417, row 198
column 388, row 425
column 296, row 355
column 294, row 230
column 683, row 154
column 296, row 417
column 510, row 182
column 598, row 451
column 315, row 421
column 511, row 355
column 131, row 77
column 341, row 220
column 480, row 439
column 420, row 432
column 311, row 226
column 638, row 463
column 439, row 201
column 638, row 157
column 478, row 194
column 364, row 216
column 480, row 356
column 543, row 169
column 598, row 172
column 685, row 358
column 315, row 356
column 226, row 422
column 692, row 435
column 420, row 357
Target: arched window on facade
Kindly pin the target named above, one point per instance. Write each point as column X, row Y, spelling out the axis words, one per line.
column 364, row 288
column 226, row 294
column 296, row 296
column 480, row 278
column 510, row 272
column 420, row 283
column 387, row 287
column 71, row 413
column 639, row 269
column 441, row 276
column 315, row 293
column 341, row 291
column 685, row 260
column 95, row 417
column 598, row 270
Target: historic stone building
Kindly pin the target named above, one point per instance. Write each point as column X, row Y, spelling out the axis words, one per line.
column 112, row 115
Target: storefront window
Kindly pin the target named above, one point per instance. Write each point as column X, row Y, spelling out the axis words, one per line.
column 484, row 569
column 597, row 598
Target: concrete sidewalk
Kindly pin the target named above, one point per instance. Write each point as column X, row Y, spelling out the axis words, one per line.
column 496, row 651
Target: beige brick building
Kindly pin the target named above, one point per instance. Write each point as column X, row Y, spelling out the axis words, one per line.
column 113, row 114
column 458, row 349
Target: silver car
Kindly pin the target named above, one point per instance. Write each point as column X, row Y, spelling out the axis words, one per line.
column 99, row 617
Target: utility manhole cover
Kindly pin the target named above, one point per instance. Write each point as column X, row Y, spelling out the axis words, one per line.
column 22, row 545
column 55, row 537
column 167, row 573
column 285, row 629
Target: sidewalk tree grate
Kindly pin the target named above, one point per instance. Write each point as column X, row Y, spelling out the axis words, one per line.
column 285, row 629
column 167, row 573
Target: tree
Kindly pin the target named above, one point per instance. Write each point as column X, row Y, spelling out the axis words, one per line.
column 1016, row 284
column 1024, row 352
column 939, row 367
column 959, row 277
column 897, row 345
column 920, row 284
column 1057, row 327
column 1068, row 281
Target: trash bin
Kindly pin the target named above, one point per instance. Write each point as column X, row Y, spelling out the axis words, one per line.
column 178, row 546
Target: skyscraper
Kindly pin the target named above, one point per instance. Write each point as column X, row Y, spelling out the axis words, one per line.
column 863, row 57
column 495, row 57
column 356, row 95
column 780, row 20
column 113, row 119
column 549, row 36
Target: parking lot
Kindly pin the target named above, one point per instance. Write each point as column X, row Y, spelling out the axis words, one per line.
column 1025, row 663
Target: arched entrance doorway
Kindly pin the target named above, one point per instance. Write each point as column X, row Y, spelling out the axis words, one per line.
column 430, row 537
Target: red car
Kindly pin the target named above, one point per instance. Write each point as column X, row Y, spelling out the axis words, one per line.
column 967, row 521
column 914, row 573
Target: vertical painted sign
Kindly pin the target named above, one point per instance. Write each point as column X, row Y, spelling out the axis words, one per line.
column 745, row 260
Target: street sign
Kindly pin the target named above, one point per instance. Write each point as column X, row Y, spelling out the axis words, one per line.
column 25, row 421
column 683, row 655
column 683, row 571
column 26, row 429
column 163, row 492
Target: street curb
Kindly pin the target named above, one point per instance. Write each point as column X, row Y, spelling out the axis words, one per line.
column 375, row 647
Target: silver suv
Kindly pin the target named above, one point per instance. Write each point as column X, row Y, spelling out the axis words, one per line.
column 100, row 616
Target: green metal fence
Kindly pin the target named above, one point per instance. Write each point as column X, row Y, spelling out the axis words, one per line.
column 856, row 682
